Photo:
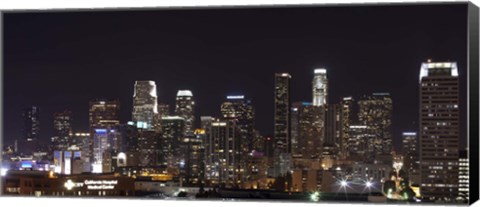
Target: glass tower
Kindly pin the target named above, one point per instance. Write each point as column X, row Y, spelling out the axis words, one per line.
column 184, row 108
column 145, row 106
column 319, row 87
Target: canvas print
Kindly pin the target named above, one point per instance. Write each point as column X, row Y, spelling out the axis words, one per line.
column 353, row 103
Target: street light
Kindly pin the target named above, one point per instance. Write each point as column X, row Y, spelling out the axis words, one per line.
column 368, row 184
column 315, row 196
column 343, row 183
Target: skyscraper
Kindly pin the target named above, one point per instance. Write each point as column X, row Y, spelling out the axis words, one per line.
column 222, row 157
column 332, row 129
column 311, row 130
column 239, row 109
column 320, row 87
column 439, row 130
column 375, row 111
column 31, row 123
column 282, row 112
column 359, row 146
column 103, row 117
column 185, row 108
column 170, row 144
column 104, row 113
column 347, row 119
column 294, row 129
column 282, row 141
column 410, row 156
column 62, row 125
column 30, row 130
column 145, row 106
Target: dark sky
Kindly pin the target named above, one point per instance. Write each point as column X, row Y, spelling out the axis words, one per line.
column 61, row 60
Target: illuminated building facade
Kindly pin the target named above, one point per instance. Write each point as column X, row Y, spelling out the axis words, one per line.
column 102, row 157
column 411, row 159
column 282, row 112
column 148, row 143
column 320, row 87
column 294, row 131
column 163, row 110
column 30, row 130
column 185, row 108
column 239, row 109
column 439, row 130
column 171, row 154
column 333, row 128
column 359, row 144
column 62, row 125
column 68, row 162
column 41, row 183
column 194, row 155
column 347, row 118
column 375, row 111
column 81, row 141
column 222, row 157
column 311, row 130
column 145, row 106
column 130, row 135
column 104, row 113
column 463, row 176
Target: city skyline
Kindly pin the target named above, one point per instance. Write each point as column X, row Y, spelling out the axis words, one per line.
column 208, row 97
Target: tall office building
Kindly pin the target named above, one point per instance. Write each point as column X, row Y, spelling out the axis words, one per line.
column 194, row 158
column 104, row 113
column 103, row 117
column 294, row 130
column 411, row 159
column 102, row 151
column 185, row 108
column 62, row 125
column 148, row 143
column 282, row 112
column 130, row 134
column 281, row 138
column 31, row 123
column 311, row 130
column 145, row 106
column 332, row 129
column 239, row 109
column 320, row 87
column 173, row 128
column 439, row 130
column 81, row 141
column 333, row 125
column 359, row 146
column 30, row 130
column 375, row 111
column 222, row 157
column 347, row 119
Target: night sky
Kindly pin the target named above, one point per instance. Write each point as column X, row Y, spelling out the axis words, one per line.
column 62, row 60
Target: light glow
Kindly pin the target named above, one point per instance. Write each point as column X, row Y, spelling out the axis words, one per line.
column 426, row 66
column 184, row 93
column 315, row 196
column 235, row 97
column 3, row 172
column 368, row 184
column 320, row 71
